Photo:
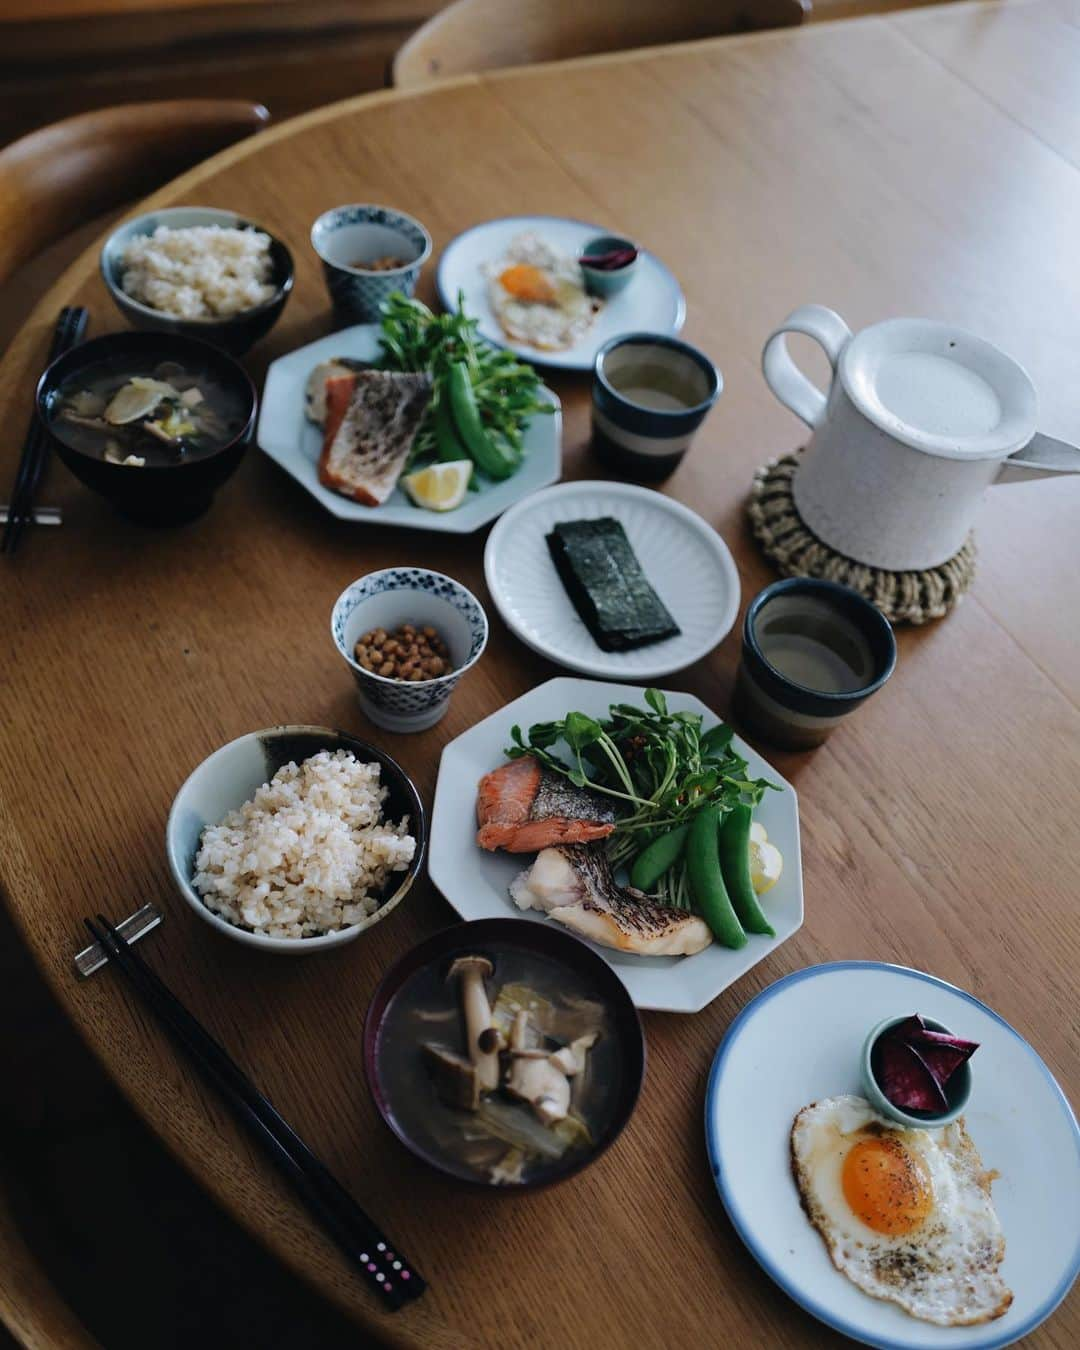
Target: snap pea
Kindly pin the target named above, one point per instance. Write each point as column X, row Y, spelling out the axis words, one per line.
column 488, row 454
column 735, row 866
column 707, row 881
column 660, row 856
column 448, row 444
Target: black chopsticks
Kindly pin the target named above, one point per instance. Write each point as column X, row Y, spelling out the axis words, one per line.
column 385, row 1269
column 68, row 333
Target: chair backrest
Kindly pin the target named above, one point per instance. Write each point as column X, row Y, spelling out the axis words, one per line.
column 475, row 35
column 55, row 179
column 30, row 1307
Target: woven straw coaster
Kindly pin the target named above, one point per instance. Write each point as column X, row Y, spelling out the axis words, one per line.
column 903, row 597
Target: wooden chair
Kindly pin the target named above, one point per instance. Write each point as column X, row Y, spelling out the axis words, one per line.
column 475, row 35
column 56, row 181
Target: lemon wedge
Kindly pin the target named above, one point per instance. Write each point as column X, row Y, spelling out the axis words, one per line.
column 439, row 487
column 766, row 860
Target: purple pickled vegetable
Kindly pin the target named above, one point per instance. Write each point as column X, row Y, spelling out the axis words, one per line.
column 913, row 1064
column 610, row 261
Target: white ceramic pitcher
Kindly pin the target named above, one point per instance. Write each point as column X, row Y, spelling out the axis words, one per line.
column 919, row 419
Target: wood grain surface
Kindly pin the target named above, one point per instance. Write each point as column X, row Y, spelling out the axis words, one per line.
column 872, row 165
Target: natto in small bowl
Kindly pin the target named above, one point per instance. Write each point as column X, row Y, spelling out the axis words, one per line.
column 349, row 238
column 607, row 282
column 231, row 776
column 957, row 1089
column 235, row 333
column 399, row 595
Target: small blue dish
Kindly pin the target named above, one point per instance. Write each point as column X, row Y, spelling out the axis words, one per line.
column 347, row 238
column 957, row 1089
column 234, row 334
column 650, row 394
column 396, row 596
column 600, row 281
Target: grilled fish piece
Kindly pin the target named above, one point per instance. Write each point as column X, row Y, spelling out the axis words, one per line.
column 573, row 885
column 372, row 419
column 523, row 807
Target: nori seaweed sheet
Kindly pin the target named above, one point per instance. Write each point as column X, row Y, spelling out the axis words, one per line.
column 604, row 579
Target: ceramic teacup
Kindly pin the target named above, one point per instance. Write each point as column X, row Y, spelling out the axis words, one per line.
column 812, row 652
column 650, row 394
column 349, row 238
column 396, row 596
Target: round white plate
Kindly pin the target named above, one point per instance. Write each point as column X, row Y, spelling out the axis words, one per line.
column 799, row 1041
column 685, row 560
column 651, row 302
column 286, row 435
column 477, row 883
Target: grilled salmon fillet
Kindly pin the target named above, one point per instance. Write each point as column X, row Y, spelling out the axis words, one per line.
column 573, row 885
column 372, row 419
column 523, row 807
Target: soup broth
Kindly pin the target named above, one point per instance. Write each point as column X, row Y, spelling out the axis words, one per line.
column 162, row 415
column 493, row 1143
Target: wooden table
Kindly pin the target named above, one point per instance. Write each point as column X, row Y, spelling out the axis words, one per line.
column 923, row 164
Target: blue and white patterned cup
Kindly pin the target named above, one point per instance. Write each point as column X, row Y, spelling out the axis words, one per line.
column 650, row 394
column 396, row 596
column 348, row 237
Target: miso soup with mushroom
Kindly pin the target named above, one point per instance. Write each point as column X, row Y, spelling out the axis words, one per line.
column 164, row 414
column 500, row 1065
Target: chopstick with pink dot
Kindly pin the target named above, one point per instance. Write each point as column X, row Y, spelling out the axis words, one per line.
column 395, row 1279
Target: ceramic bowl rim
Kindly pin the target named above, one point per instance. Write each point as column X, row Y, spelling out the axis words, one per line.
column 438, row 680
column 415, row 263
column 390, row 983
column 46, row 385
column 882, row 1103
column 686, row 349
column 836, row 701
column 239, row 222
column 301, row 946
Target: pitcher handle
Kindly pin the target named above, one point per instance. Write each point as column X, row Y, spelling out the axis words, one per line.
column 785, row 378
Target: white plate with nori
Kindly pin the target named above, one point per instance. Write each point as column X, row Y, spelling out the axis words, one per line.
column 685, row 561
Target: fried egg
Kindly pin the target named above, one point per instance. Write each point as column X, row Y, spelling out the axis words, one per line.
column 538, row 295
column 905, row 1214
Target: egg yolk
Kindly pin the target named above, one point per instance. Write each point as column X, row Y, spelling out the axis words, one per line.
column 525, row 282
column 886, row 1186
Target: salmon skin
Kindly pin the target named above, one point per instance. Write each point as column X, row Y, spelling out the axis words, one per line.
column 372, row 418
column 523, row 807
column 574, row 886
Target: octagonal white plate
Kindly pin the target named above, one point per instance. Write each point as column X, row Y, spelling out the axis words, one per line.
column 800, row 1040
column 688, row 564
column 477, row 883
column 286, row 435
column 652, row 302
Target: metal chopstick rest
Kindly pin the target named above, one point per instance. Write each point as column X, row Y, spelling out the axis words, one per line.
column 357, row 1236
column 40, row 515
column 132, row 928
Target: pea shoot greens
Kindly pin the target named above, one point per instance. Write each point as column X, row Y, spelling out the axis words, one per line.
column 483, row 396
column 658, row 764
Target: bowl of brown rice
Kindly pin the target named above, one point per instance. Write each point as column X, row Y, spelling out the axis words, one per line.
column 201, row 271
column 296, row 838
